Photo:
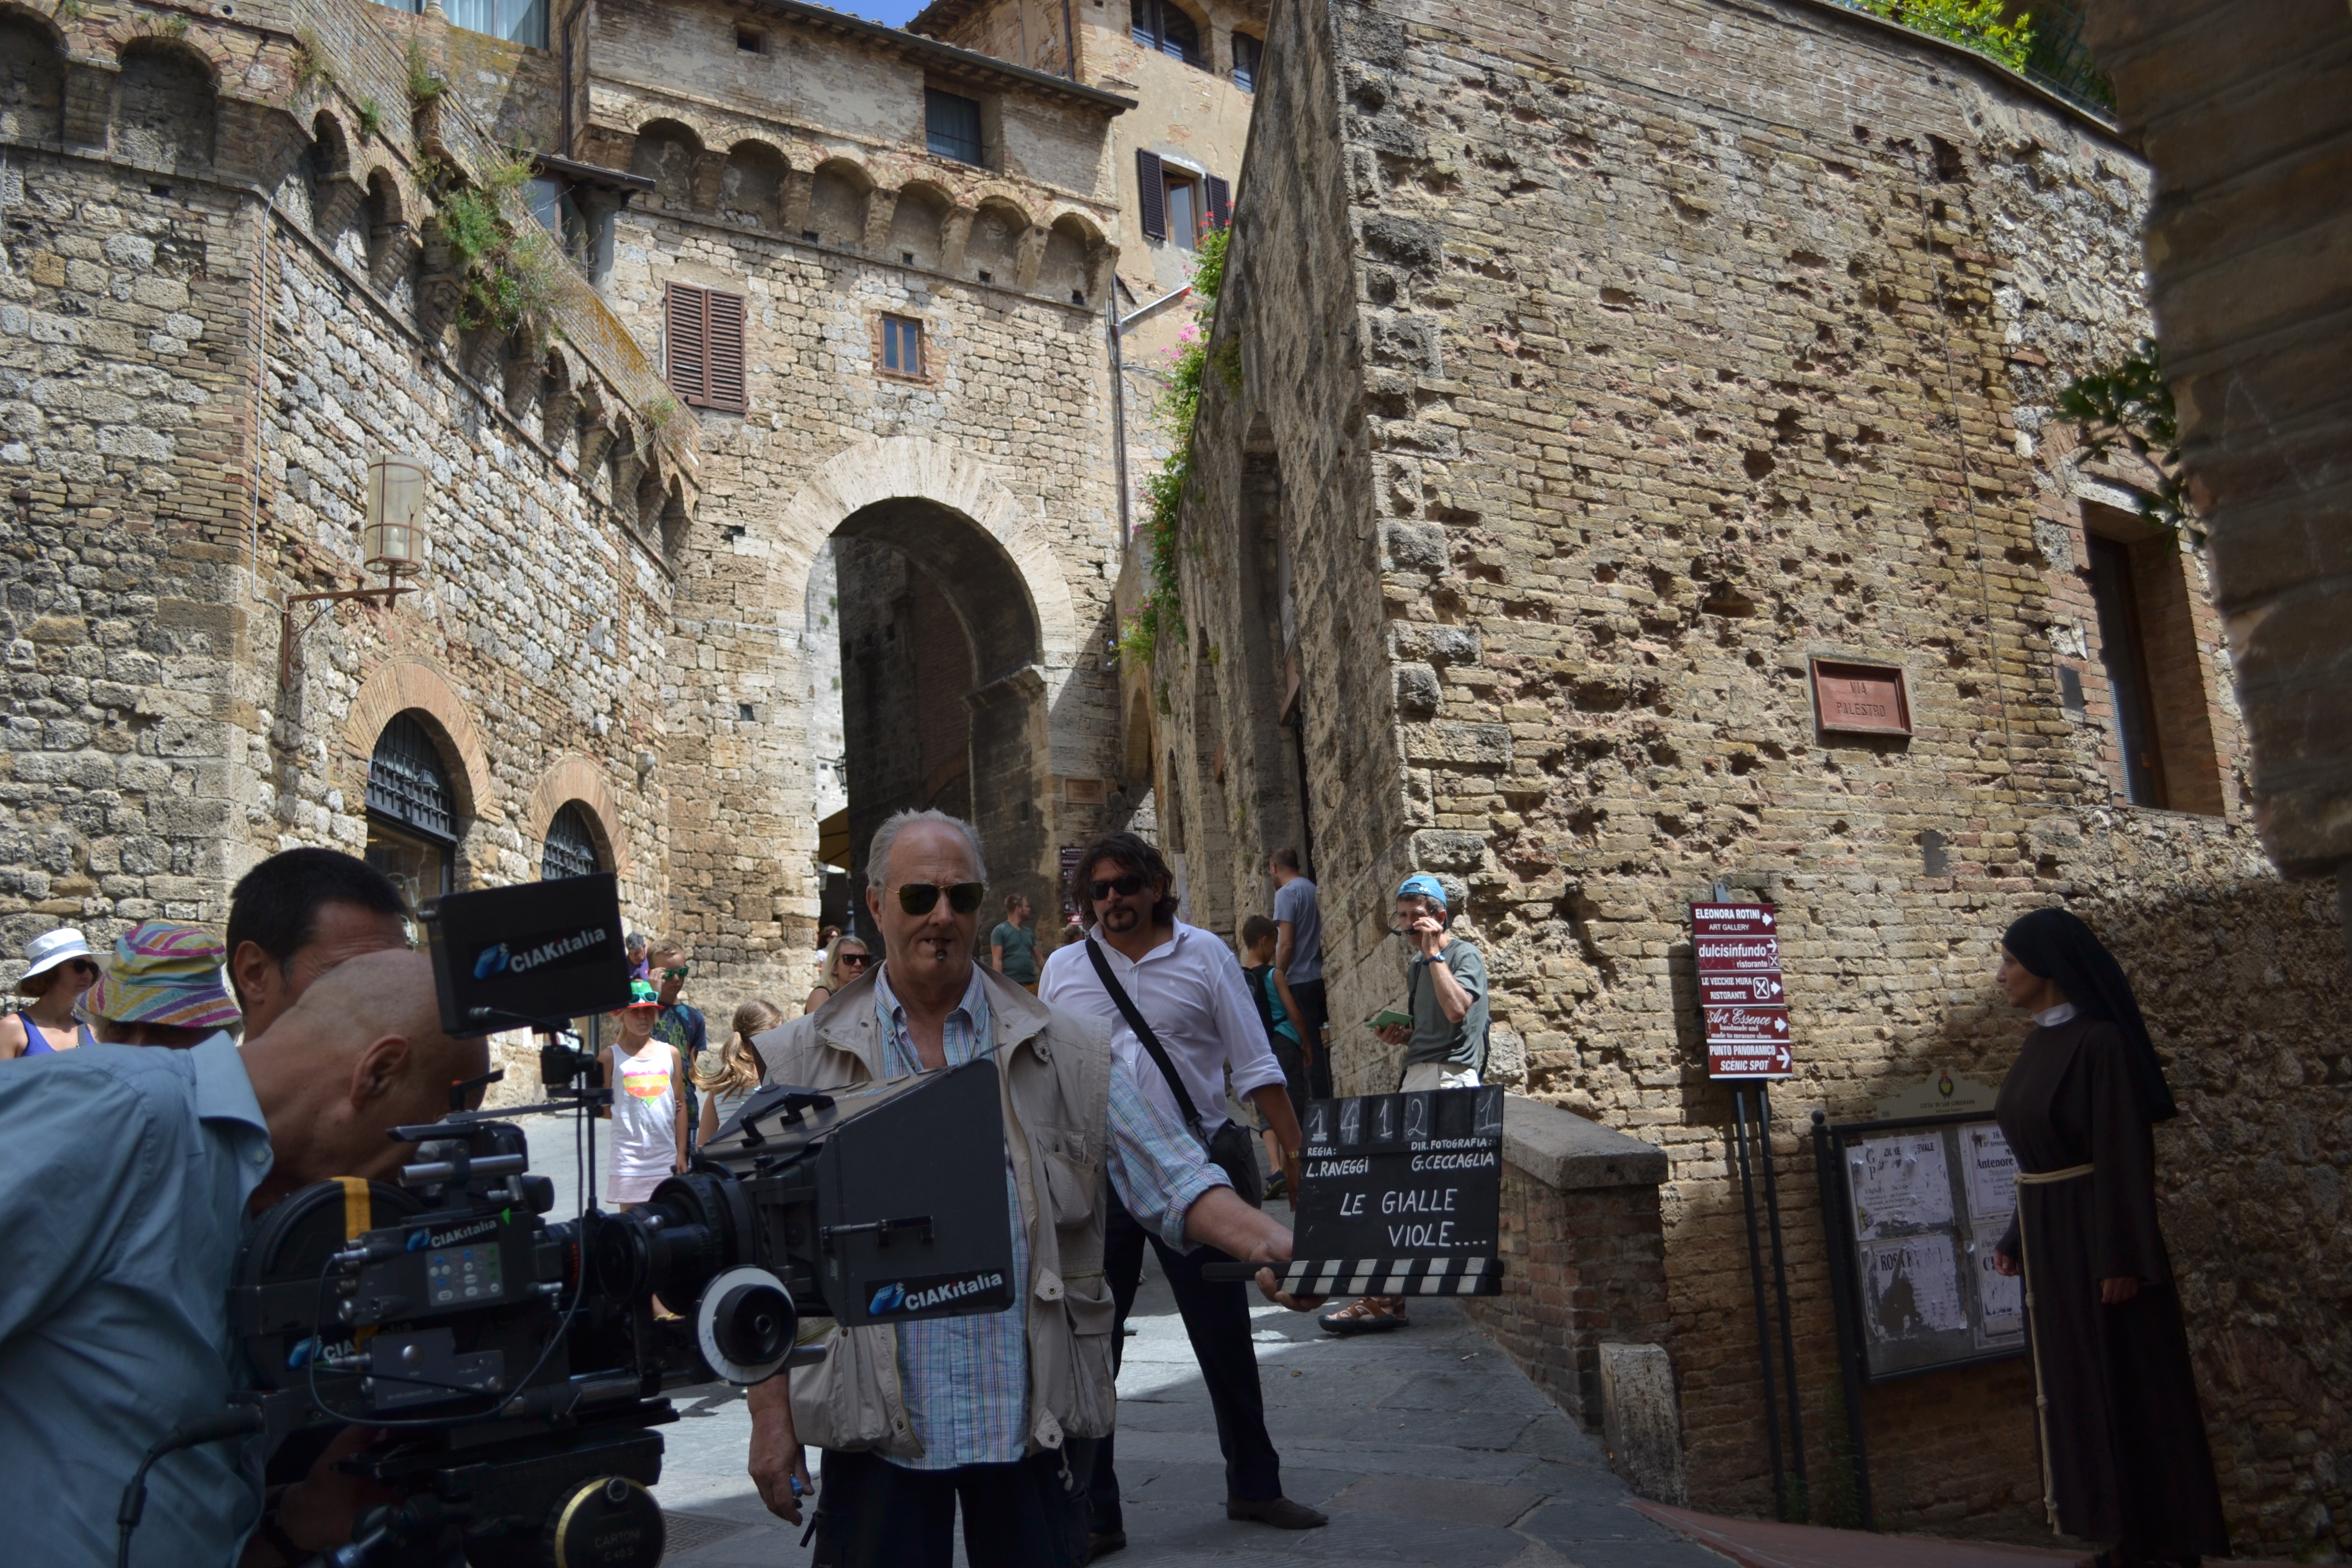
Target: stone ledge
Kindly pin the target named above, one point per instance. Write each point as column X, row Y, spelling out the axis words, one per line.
column 1564, row 1150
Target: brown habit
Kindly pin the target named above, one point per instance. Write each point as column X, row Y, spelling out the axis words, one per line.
column 2127, row 1449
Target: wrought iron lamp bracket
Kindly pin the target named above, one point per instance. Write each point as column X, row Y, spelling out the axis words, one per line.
column 289, row 636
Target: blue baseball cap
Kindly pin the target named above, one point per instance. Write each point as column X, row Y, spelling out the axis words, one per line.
column 1421, row 885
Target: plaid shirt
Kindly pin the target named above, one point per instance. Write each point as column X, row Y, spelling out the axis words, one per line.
column 966, row 1380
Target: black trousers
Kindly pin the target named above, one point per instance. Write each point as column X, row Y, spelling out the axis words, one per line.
column 1216, row 1320
column 1317, row 1006
column 872, row 1513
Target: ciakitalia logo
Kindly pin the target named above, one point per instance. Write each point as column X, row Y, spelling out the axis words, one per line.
column 922, row 1295
column 497, row 958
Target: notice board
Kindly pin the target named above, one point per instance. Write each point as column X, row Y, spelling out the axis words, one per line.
column 1915, row 1208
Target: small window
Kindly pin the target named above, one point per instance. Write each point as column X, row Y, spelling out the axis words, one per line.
column 570, row 847
column 953, row 123
column 1247, row 52
column 749, row 42
column 902, row 345
column 517, row 21
column 2150, row 651
column 412, row 812
column 703, row 345
column 2123, row 651
column 1157, row 24
column 1183, row 209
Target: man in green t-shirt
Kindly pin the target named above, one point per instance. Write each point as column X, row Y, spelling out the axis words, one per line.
column 1012, row 945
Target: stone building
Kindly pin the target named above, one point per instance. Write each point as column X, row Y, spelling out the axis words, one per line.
column 835, row 305
column 1584, row 382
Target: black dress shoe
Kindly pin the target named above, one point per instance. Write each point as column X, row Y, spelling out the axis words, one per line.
column 1103, row 1543
column 1278, row 1511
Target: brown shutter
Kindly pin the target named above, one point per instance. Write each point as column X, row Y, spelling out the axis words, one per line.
column 725, row 318
column 1220, row 201
column 688, row 337
column 1154, row 194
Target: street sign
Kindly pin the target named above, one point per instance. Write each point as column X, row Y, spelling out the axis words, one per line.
column 1741, row 996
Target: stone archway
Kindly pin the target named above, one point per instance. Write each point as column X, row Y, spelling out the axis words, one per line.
column 572, row 777
column 411, row 683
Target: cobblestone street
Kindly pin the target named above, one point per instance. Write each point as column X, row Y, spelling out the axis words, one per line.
column 1425, row 1447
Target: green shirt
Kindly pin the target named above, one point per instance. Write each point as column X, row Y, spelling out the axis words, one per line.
column 1435, row 1036
column 1020, row 946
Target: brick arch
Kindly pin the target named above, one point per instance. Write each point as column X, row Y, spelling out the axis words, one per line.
column 572, row 777
column 413, row 683
column 197, row 44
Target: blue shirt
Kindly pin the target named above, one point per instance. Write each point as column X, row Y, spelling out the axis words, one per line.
column 128, row 1171
column 965, row 1380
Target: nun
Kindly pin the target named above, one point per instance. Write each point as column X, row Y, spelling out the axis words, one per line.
column 2124, row 1455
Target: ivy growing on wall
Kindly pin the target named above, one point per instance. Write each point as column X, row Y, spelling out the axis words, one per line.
column 1159, row 618
column 2129, row 405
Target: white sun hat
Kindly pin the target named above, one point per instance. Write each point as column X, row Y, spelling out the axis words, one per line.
column 51, row 948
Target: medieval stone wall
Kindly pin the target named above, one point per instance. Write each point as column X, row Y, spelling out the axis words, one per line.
column 1606, row 393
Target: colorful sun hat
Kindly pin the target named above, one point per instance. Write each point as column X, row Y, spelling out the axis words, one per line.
column 642, row 994
column 164, row 972
column 51, row 948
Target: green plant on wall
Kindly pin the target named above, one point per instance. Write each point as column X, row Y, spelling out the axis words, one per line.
column 1979, row 25
column 1159, row 618
column 423, row 86
column 313, row 77
column 509, row 263
column 370, row 116
column 2130, row 404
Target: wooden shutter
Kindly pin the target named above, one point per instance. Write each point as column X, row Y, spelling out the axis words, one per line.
column 1220, row 201
column 725, row 357
column 687, row 337
column 1154, row 207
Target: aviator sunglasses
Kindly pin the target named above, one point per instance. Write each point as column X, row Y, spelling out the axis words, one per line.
column 921, row 898
column 1125, row 886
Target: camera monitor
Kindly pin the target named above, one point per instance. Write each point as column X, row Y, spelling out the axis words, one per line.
column 534, row 956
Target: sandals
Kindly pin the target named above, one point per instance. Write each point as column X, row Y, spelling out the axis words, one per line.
column 1371, row 1315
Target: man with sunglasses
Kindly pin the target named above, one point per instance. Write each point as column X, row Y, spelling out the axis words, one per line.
column 995, row 1414
column 1186, row 986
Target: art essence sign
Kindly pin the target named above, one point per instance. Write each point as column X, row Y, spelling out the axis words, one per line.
column 1740, row 996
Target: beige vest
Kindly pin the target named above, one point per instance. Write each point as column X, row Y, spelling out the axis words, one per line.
column 1053, row 1077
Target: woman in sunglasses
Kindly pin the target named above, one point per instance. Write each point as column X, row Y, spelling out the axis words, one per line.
column 844, row 962
column 58, row 969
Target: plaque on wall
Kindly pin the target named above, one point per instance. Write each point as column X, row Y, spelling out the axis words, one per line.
column 1861, row 698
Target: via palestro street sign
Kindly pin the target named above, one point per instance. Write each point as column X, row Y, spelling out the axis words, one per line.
column 1740, row 994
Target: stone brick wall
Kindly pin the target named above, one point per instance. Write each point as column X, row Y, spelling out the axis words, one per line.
column 1616, row 363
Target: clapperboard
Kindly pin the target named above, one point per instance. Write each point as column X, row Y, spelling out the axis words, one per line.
column 1400, row 1194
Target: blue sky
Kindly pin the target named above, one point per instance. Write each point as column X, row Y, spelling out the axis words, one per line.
column 896, row 12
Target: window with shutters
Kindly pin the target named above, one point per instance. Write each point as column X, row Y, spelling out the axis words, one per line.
column 1159, row 24
column 898, row 350
column 1247, row 53
column 951, row 123
column 1176, row 203
column 703, row 344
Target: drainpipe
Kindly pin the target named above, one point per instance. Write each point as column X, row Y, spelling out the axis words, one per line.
column 1069, row 44
column 1119, row 418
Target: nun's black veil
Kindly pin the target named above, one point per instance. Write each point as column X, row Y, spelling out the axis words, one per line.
column 2058, row 946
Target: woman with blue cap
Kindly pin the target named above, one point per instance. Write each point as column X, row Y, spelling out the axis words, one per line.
column 2123, row 1453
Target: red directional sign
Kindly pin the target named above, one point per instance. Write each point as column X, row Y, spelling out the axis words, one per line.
column 1740, row 994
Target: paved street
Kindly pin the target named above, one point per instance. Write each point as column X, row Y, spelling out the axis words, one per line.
column 1424, row 1446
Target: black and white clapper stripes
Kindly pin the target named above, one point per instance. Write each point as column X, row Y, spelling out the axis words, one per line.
column 1392, row 1276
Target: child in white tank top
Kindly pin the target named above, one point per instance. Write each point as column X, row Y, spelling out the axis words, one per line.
column 648, row 1102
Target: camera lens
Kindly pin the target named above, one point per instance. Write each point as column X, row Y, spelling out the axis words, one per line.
column 754, row 1325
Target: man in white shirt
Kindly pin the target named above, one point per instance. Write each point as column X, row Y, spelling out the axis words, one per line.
column 1187, row 987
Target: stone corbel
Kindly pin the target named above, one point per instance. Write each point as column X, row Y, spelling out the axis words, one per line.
column 702, row 185
column 799, row 186
column 955, row 234
column 482, row 351
column 256, row 142
column 338, row 197
column 628, row 473
column 881, row 207
column 523, row 371
column 1029, row 256
column 391, row 251
column 1101, row 259
column 89, row 102
column 559, row 417
column 595, row 440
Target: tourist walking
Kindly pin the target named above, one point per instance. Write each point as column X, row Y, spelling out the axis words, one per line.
column 1012, row 945
column 1180, row 1017
column 1445, row 1045
column 1298, row 956
column 2124, row 1452
column 728, row 1079
column 844, row 962
column 1277, row 1009
column 161, row 986
column 648, row 1109
column 58, row 969
column 678, row 1023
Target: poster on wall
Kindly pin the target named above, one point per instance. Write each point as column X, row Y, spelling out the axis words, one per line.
column 1992, row 1171
column 1912, row 1285
column 1900, row 1183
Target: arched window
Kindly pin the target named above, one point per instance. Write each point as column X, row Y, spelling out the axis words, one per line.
column 571, row 848
column 1161, row 26
column 412, row 812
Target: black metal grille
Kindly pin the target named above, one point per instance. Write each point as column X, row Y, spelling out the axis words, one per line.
column 407, row 781
column 571, row 848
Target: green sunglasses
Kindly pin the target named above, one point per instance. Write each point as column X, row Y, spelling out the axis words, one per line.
column 921, row 898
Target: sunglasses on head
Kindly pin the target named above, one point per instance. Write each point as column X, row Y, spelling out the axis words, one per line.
column 1125, row 886
column 921, row 898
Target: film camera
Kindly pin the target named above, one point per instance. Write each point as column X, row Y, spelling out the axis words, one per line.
column 514, row 1363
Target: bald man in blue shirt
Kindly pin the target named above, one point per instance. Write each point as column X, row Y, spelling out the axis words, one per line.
column 130, row 1173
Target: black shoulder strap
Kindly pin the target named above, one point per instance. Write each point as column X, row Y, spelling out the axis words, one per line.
column 1126, row 1004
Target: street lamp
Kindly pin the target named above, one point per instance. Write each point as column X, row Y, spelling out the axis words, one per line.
column 395, row 540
